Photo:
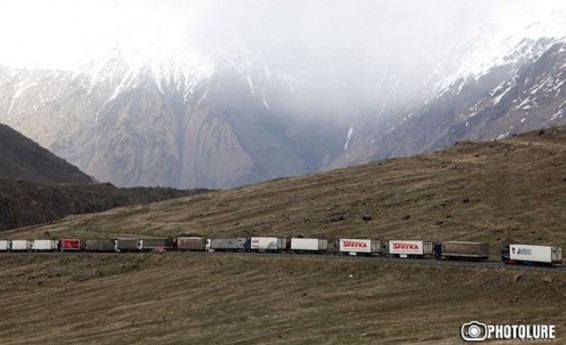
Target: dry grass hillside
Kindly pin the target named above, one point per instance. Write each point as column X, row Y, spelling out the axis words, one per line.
column 492, row 191
column 495, row 191
column 173, row 299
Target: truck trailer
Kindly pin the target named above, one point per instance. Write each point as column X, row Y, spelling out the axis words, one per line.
column 409, row 248
column 20, row 245
column 128, row 245
column 526, row 254
column 268, row 244
column 367, row 247
column 44, row 245
column 227, row 244
column 458, row 250
column 70, row 245
column 191, row 243
column 309, row 245
column 5, row 245
column 149, row 244
column 100, row 245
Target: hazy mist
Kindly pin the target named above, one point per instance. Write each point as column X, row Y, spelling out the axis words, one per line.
column 347, row 49
column 61, row 33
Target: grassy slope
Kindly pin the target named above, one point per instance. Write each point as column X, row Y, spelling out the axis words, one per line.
column 497, row 191
column 218, row 300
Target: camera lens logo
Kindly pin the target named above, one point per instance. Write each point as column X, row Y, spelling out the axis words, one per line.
column 474, row 331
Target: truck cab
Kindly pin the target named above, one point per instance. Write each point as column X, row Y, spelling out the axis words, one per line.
column 437, row 250
column 505, row 254
column 248, row 245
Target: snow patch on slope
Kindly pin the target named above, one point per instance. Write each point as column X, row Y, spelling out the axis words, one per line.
column 523, row 39
column 348, row 137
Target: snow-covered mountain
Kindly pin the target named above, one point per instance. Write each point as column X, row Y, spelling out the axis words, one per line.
column 175, row 125
column 482, row 89
column 177, row 119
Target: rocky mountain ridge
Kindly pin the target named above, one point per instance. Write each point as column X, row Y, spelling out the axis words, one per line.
column 249, row 117
column 524, row 93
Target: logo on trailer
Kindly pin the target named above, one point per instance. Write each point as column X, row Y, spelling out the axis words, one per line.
column 405, row 246
column 523, row 251
column 354, row 244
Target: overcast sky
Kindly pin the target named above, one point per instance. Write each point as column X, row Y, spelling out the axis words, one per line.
column 63, row 33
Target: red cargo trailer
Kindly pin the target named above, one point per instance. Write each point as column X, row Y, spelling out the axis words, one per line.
column 70, row 245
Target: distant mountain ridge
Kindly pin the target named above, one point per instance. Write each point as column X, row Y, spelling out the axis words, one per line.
column 247, row 118
column 38, row 187
column 25, row 203
column 22, row 158
column 524, row 93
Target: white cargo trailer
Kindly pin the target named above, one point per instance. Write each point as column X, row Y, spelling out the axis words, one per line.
column 407, row 248
column 21, row 245
column 309, row 244
column 352, row 246
column 268, row 243
column 537, row 254
column 4, row 245
column 44, row 245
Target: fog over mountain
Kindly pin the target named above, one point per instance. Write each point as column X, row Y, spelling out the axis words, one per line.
column 218, row 93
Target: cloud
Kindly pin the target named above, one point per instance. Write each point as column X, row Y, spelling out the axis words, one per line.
column 59, row 33
column 349, row 49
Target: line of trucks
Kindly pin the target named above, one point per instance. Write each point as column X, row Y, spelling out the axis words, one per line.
column 446, row 250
